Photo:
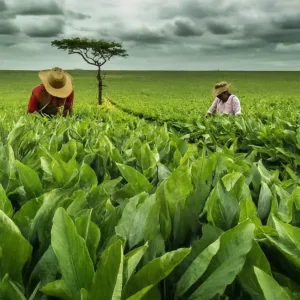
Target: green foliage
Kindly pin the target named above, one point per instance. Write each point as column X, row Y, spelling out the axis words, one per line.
column 94, row 52
column 107, row 205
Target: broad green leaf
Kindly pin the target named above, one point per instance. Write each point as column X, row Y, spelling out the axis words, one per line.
column 64, row 173
column 230, row 180
column 197, row 268
column 287, row 282
column 87, row 178
column 34, row 293
column 210, row 234
column 30, row 180
column 274, row 209
column 296, row 197
column 132, row 259
column 235, row 244
column 186, row 219
column 40, row 226
column 164, row 216
column 79, row 203
column 154, row 272
column 15, row 249
column 24, row 217
column 154, row 293
column 68, row 151
column 5, row 204
column 222, row 208
column 264, row 201
column 84, row 294
column 256, row 177
column 46, row 167
column 140, row 295
column 265, row 174
column 240, row 190
column 147, row 159
column 247, row 277
column 109, row 185
column 13, row 181
column 271, row 289
column 17, row 130
column 145, row 222
column 97, row 199
column 140, row 219
column 287, row 242
column 137, row 180
column 72, row 254
column 177, row 157
column 9, row 290
column 107, row 283
column 156, row 248
column 90, row 232
column 172, row 192
column 58, row 289
column 125, row 224
column 248, row 211
column 162, row 172
column 285, row 209
column 46, row 269
column 221, row 166
column 293, row 176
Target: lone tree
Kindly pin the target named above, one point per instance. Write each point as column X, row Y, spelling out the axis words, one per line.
column 94, row 52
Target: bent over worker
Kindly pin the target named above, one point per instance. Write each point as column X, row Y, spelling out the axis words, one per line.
column 54, row 95
column 224, row 102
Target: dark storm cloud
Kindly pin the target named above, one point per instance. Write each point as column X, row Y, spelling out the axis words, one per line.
column 28, row 8
column 191, row 9
column 288, row 21
column 219, row 28
column 7, row 45
column 243, row 25
column 76, row 15
column 8, row 28
column 194, row 32
column 184, row 28
column 271, row 33
column 168, row 33
column 145, row 36
column 282, row 36
column 46, row 8
column 51, row 27
column 3, row 6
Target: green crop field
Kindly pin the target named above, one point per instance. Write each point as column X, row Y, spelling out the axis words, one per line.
column 145, row 198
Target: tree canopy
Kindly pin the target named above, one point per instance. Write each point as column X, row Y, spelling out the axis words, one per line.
column 94, row 52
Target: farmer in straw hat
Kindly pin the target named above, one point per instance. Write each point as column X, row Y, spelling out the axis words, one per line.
column 54, row 95
column 224, row 102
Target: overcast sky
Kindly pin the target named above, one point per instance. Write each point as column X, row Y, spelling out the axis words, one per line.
column 177, row 35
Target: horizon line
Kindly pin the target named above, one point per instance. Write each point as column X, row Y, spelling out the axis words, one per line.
column 151, row 70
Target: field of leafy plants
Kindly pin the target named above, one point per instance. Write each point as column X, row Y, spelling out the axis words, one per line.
column 110, row 205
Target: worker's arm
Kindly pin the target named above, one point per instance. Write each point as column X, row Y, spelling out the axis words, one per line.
column 68, row 108
column 213, row 108
column 236, row 106
column 33, row 104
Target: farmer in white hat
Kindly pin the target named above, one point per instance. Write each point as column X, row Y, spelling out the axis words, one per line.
column 54, row 95
column 224, row 102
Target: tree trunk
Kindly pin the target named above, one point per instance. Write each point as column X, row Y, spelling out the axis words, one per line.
column 100, row 85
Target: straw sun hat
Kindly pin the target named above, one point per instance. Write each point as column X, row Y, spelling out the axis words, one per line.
column 220, row 88
column 57, row 82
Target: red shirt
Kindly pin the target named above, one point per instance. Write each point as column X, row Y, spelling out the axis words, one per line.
column 41, row 99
